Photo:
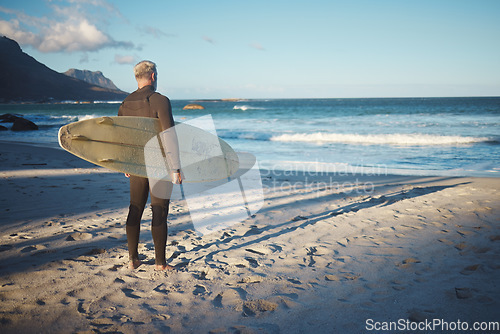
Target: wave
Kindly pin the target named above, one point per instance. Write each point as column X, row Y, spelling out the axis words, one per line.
column 379, row 139
column 85, row 117
column 262, row 136
column 245, row 107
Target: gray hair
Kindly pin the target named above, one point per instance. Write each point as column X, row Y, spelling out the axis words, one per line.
column 144, row 69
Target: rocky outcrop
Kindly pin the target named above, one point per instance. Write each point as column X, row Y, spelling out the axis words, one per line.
column 193, row 107
column 18, row 123
column 94, row 78
column 22, row 124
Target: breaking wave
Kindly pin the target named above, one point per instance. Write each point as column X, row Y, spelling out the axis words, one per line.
column 245, row 107
column 379, row 139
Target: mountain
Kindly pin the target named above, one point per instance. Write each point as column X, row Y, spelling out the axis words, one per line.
column 24, row 79
column 94, row 78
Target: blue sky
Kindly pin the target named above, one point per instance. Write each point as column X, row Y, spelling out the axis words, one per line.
column 272, row 48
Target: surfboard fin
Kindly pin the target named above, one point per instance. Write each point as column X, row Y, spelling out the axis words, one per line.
column 79, row 137
column 106, row 120
column 106, row 160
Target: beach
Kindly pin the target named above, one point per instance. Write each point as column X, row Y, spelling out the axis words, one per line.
column 327, row 253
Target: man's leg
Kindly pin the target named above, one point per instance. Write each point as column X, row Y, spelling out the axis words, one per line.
column 138, row 197
column 159, row 228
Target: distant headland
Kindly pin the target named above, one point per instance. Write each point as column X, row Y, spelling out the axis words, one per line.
column 25, row 80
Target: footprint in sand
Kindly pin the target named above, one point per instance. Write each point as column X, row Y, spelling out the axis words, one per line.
column 464, row 293
column 407, row 263
column 446, row 241
column 199, row 290
column 29, row 249
column 96, row 251
column 115, row 267
column 482, row 250
column 275, row 248
column 77, row 236
column 470, row 269
column 288, row 292
column 398, row 285
column 411, row 260
column 465, row 233
column 294, row 281
column 420, row 316
column 253, row 262
column 254, row 230
column 251, row 279
column 232, row 298
column 342, row 277
column 5, row 247
column 162, row 288
column 130, row 293
column 253, row 308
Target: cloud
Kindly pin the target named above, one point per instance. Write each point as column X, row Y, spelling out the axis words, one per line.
column 125, row 60
column 155, row 32
column 67, row 30
column 208, row 39
column 110, row 8
column 257, row 46
column 12, row 30
column 74, row 36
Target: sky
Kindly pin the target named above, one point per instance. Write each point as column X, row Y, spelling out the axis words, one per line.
column 272, row 48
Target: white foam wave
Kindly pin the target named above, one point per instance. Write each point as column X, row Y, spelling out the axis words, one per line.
column 85, row 117
column 245, row 107
column 379, row 139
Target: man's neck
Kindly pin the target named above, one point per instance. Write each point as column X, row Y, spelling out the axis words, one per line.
column 140, row 86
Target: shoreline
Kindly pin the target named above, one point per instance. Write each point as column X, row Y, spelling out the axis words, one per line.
column 304, row 167
column 324, row 254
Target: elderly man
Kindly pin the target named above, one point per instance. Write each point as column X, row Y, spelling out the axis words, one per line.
column 146, row 102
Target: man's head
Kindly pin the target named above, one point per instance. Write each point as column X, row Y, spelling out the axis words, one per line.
column 145, row 73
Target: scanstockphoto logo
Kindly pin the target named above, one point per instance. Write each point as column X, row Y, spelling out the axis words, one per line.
column 221, row 187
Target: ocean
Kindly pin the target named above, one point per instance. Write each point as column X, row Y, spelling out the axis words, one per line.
column 407, row 136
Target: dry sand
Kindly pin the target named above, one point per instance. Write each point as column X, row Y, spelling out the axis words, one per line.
column 325, row 254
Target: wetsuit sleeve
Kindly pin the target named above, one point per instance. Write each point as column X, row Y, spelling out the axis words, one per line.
column 161, row 108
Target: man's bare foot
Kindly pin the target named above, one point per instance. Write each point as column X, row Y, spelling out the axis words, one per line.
column 134, row 264
column 164, row 267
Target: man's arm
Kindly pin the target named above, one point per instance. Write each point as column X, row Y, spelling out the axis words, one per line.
column 160, row 105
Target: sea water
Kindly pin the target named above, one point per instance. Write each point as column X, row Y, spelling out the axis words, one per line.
column 412, row 136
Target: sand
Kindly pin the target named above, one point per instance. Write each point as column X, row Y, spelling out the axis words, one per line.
column 327, row 253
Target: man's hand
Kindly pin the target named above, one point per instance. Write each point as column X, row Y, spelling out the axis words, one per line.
column 176, row 177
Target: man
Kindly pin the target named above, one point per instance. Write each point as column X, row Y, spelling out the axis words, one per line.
column 145, row 102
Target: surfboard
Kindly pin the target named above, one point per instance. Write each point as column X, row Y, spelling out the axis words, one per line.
column 133, row 145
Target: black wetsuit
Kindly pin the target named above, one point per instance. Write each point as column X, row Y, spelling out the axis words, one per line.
column 145, row 102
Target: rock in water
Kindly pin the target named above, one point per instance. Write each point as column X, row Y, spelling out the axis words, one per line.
column 18, row 123
column 193, row 106
column 21, row 124
column 9, row 118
